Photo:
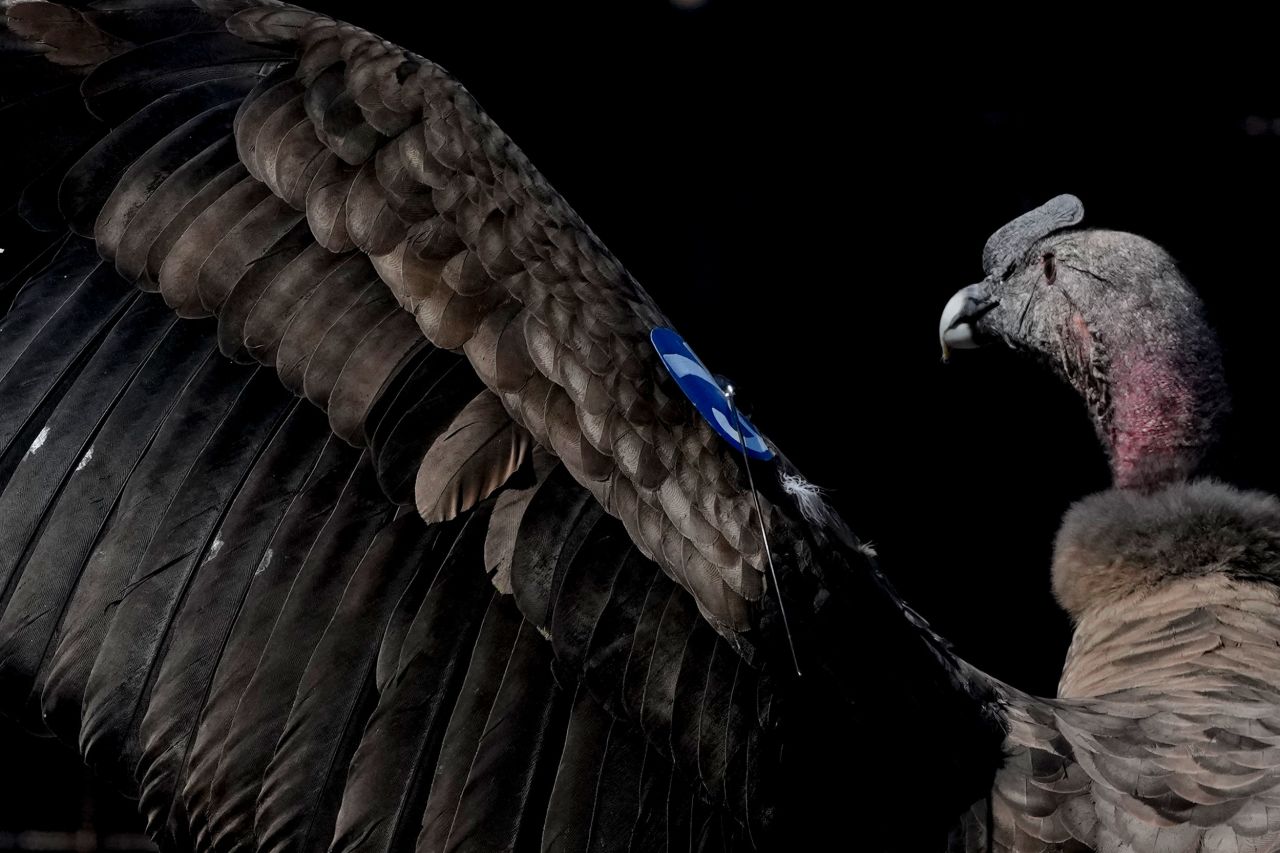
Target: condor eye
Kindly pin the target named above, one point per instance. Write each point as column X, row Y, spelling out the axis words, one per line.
column 1050, row 268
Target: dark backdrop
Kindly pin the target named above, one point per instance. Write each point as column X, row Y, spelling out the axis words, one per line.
column 802, row 192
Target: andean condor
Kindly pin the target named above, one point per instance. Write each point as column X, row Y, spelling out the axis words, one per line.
column 348, row 505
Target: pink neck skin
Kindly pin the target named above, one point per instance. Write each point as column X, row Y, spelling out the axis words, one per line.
column 1153, row 421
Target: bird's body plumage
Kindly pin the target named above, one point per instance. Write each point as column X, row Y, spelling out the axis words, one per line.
column 1164, row 733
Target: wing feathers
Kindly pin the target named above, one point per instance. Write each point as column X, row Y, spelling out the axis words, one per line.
column 345, row 287
column 263, row 708
column 573, row 803
column 143, row 608
column 303, row 784
column 180, row 270
column 30, row 501
column 201, row 632
column 440, row 386
column 91, row 180
column 478, row 452
column 489, row 662
column 384, row 351
column 52, row 359
column 389, row 779
column 123, row 84
column 163, row 205
column 308, row 513
column 242, row 741
column 137, row 515
column 146, row 174
column 503, row 804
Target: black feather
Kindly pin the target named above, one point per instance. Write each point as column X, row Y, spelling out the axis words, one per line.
column 57, row 351
column 36, row 250
column 67, row 435
column 202, row 628
column 92, row 179
column 617, row 630
column 137, row 515
column 264, row 706
column 558, row 520
column 679, row 623
column 142, row 21
column 504, row 802
column 303, row 785
column 390, row 774
column 126, row 83
column 489, row 661
column 406, row 608
column 649, row 831
column 585, row 591
column 573, row 802
column 73, row 526
column 617, row 792
column 119, row 685
column 440, row 386
column 45, row 291
column 308, row 513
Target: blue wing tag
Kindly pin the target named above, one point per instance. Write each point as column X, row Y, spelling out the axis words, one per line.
column 704, row 392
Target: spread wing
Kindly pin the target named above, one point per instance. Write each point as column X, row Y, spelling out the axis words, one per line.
column 345, row 501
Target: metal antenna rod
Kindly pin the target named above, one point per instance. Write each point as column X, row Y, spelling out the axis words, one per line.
column 768, row 552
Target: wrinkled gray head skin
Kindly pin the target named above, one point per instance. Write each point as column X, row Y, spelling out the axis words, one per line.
column 1006, row 248
column 1111, row 314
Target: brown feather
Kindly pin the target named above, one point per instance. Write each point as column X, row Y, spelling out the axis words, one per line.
column 265, row 149
column 504, row 522
column 168, row 200
column 157, row 253
column 375, row 360
column 407, row 196
column 273, row 94
column 181, row 269
column 371, row 222
column 326, row 204
column 312, row 321
column 338, row 120
column 344, row 334
column 274, row 309
column 479, row 452
column 64, row 35
column 261, row 272
column 249, row 241
column 299, row 156
column 498, row 350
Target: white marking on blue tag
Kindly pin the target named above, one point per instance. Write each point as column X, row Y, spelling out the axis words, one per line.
column 705, row 393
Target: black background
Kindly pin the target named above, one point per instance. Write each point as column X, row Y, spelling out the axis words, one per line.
column 801, row 192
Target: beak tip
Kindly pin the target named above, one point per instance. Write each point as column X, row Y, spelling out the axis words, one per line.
column 956, row 327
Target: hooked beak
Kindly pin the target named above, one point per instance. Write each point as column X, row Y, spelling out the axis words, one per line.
column 956, row 330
